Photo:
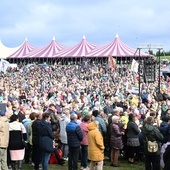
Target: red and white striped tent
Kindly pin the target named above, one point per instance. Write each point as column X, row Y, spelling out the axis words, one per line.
column 46, row 52
column 116, row 48
column 79, row 50
column 24, row 49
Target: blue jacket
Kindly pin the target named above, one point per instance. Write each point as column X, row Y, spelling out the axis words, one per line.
column 74, row 134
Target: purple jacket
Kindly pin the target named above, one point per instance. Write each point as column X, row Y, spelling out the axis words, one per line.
column 116, row 136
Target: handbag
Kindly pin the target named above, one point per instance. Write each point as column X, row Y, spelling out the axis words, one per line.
column 152, row 147
column 46, row 144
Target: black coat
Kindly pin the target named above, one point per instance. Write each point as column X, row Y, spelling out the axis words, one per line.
column 166, row 157
column 15, row 142
column 36, row 132
column 132, row 130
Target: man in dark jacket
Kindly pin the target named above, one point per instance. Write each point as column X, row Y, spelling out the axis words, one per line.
column 36, row 153
column 74, row 137
column 108, row 109
column 54, row 121
column 22, row 113
column 151, row 133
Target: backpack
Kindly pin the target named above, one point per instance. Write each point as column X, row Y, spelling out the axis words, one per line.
column 152, row 147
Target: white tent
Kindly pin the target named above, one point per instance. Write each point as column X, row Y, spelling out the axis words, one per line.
column 6, row 51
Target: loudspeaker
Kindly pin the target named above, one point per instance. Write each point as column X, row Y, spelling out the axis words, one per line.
column 149, row 71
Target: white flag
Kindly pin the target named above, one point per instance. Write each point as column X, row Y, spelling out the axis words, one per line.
column 4, row 65
column 134, row 66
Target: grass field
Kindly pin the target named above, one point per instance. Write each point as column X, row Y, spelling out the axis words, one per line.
column 165, row 57
column 124, row 166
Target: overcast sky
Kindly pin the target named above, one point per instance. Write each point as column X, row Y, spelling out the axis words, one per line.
column 135, row 21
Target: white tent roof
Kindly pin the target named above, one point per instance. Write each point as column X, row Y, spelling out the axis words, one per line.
column 6, row 51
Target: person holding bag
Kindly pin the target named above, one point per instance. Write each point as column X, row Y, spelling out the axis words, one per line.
column 46, row 139
column 151, row 133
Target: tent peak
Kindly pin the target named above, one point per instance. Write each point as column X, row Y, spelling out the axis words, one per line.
column 117, row 36
column 26, row 39
column 53, row 37
column 84, row 37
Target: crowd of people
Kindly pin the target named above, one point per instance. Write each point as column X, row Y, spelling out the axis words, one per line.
column 87, row 112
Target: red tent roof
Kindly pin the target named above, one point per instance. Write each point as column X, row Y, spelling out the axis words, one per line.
column 46, row 52
column 116, row 48
column 79, row 50
column 23, row 50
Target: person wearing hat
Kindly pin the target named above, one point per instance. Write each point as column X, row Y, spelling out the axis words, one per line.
column 84, row 112
column 115, row 141
column 4, row 140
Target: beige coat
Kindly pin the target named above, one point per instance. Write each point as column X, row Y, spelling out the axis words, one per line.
column 4, row 132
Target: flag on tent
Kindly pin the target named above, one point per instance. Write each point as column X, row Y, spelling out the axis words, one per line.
column 4, row 65
column 134, row 66
column 112, row 63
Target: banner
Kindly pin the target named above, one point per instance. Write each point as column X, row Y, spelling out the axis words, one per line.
column 134, row 66
column 4, row 65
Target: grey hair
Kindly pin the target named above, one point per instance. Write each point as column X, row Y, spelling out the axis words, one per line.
column 73, row 116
